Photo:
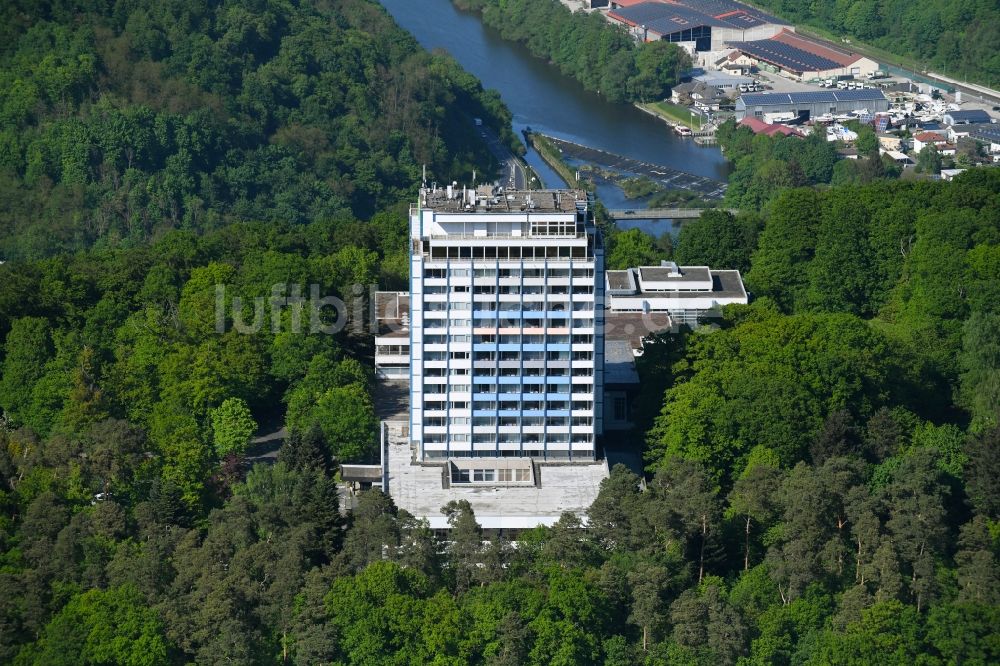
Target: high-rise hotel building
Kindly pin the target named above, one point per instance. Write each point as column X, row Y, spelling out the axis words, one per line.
column 506, row 325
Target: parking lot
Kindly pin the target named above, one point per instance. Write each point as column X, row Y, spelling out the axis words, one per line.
column 781, row 84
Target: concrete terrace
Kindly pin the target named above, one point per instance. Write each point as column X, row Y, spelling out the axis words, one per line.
column 421, row 489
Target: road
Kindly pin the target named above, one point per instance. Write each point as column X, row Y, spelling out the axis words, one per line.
column 514, row 175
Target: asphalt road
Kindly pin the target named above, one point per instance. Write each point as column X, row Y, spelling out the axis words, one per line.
column 513, row 173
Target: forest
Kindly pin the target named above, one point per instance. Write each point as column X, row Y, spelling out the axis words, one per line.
column 603, row 58
column 121, row 120
column 957, row 39
column 823, row 483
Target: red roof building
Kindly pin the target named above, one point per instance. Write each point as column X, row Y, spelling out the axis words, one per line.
column 758, row 126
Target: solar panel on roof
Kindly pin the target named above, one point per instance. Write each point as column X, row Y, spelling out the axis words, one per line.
column 858, row 95
column 811, row 97
column 785, row 56
column 765, row 99
column 659, row 16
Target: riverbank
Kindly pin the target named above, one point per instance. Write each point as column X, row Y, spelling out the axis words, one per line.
column 548, row 102
column 671, row 113
column 553, row 157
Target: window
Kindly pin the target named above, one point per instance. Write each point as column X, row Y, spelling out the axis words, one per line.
column 522, row 474
column 506, row 475
column 461, row 476
column 621, row 412
column 484, row 475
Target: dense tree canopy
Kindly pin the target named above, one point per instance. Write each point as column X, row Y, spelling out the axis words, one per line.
column 122, row 120
column 823, row 474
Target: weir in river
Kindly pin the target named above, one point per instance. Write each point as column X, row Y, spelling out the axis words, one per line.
column 669, row 177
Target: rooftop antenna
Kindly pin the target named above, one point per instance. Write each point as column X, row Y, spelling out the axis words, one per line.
column 423, row 182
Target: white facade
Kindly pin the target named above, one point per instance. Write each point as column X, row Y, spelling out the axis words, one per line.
column 689, row 294
column 506, row 325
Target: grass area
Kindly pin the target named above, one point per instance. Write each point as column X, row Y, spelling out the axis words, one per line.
column 675, row 113
column 553, row 157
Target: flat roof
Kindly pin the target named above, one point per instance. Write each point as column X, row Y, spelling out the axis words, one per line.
column 632, row 327
column 392, row 312
column 619, row 363
column 391, row 304
column 665, row 274
column 619, row 279
column 371, row 473
column 498, row 200
column 725, row 284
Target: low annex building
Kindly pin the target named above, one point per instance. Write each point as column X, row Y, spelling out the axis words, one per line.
column 689, row 294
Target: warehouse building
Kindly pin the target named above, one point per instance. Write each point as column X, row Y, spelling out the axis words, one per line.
column 706, row 25
column 968, row 117
column 795, row 56
column 806, row 105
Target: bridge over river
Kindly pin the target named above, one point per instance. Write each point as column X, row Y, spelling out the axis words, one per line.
column 670, row 178
column 663, row 213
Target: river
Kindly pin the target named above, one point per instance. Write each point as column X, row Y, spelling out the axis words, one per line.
column 540, row 97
